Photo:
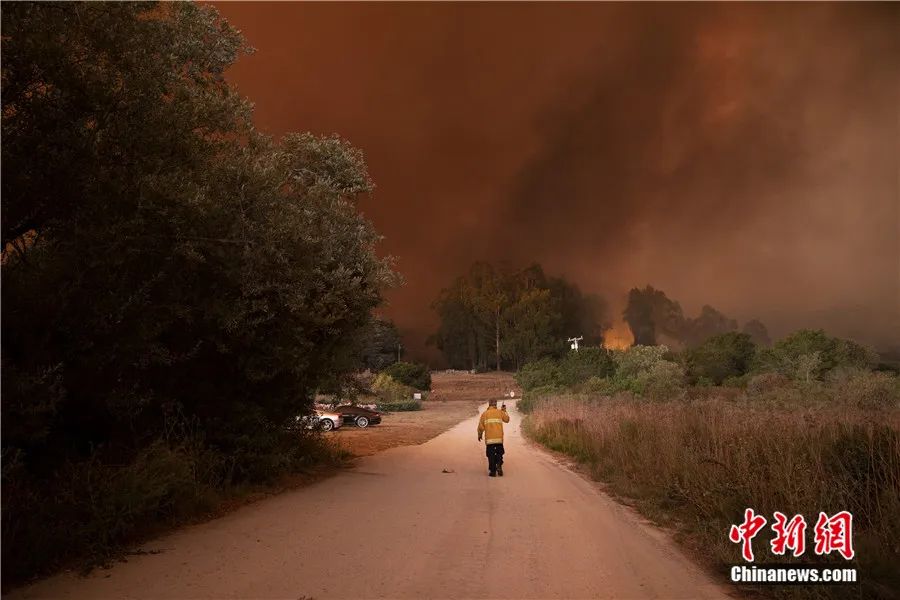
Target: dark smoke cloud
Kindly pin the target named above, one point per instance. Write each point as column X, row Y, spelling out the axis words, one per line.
column 738, row 155
column 741, row 155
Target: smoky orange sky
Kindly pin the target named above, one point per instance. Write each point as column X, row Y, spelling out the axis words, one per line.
column 738, row 155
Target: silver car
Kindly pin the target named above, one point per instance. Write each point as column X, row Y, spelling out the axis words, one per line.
column 323, row 420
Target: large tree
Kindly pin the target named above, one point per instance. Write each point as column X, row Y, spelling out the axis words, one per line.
column 499, row 315
column 178, row 261
column 650, row 313
column 381, row 344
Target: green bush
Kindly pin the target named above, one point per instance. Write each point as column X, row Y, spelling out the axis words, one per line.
column 414, row 375
column 539, row 373
column 531, row 398
column 645, row 370
column 604, row 386
column 571, row 370
column 578, row 367
column 720, row 357
column 664, row 379
column 808, row 354
column 390, row 390
column 637, row 359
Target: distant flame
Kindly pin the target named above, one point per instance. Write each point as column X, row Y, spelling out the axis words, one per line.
column 618, row 337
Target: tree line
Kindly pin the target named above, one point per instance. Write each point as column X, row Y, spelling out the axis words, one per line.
column 655, row 318
column 495, row 317
column 502, row 317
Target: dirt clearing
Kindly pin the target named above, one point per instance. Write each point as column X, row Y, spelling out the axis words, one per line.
column 455, row 397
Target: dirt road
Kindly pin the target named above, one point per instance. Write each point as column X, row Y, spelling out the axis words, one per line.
column 398, row 526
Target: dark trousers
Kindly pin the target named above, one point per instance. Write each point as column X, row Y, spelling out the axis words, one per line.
column 495, row 456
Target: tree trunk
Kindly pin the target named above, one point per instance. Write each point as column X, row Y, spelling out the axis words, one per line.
column 497, row 322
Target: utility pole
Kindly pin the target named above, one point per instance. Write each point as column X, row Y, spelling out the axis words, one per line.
column 574, row 342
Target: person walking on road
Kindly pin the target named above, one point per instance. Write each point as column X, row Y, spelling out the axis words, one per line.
column 490, row 425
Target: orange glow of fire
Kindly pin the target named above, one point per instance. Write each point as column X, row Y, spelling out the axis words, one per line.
column 618, row 337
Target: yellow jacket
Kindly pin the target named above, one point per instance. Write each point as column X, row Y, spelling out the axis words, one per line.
column 491, row 425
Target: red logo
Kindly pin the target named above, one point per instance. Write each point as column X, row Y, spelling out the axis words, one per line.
column 835, row 533
column 832, row 534
column 789, row 535
column 746, row 531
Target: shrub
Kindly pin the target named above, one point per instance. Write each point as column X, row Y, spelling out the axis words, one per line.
column 414, row 375
column 604, row 386
column 577, row 367
column 662, row 380
column 644, row 370
column 865, row 389
column 390, row 390
column 539, row 373
column 571, row 370
column 637, row 359
column 808, row 354
column 721, row 356
column 739, row 382
column 531, row 398
column 764, row 383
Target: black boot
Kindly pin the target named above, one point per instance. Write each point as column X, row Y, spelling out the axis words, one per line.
column 500, row 470
column 492, row 474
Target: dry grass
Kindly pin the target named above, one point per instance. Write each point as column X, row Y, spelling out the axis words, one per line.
column 697, row 464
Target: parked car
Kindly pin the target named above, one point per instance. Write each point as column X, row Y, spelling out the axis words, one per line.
column 323, row 420
column 359, row 416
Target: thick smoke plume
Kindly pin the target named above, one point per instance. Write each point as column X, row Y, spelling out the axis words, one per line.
column 739, row 155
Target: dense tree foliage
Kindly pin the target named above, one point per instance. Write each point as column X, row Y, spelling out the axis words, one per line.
column 165, row 262
column 415, row 375
column 498, row 316
column 381, row 345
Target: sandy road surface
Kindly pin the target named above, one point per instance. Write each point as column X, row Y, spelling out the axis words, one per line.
column 396, row 526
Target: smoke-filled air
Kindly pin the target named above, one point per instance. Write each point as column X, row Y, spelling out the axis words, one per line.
column 737, row 156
